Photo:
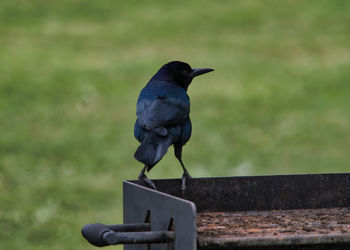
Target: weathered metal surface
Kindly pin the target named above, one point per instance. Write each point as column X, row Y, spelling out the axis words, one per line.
column 334, row 245
column 274, row 227
column 227, row 194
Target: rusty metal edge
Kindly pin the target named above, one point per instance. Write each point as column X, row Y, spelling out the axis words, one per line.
column 211, row 242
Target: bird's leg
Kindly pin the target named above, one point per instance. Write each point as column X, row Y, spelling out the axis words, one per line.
column 143, row 177
column 186, row 175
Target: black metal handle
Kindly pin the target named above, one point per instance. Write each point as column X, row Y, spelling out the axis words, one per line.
column 136, row 227
column 93, row 233
column 113, row 238
column 103, row 235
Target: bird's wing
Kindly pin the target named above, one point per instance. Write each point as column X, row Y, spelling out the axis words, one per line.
column 162, row 112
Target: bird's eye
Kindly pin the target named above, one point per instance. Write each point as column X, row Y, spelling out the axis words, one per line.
column 185, row 73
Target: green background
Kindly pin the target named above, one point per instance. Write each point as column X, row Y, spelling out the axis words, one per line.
column 70, row 73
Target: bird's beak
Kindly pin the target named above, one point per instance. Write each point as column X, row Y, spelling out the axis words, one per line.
column 197, row 72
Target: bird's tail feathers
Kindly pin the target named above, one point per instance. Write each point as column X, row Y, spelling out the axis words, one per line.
column 152, row 149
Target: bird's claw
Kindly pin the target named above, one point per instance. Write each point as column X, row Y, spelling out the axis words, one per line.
column 144, row 178
column 185, row 176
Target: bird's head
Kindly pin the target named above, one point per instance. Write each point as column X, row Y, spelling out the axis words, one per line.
column 179, row 73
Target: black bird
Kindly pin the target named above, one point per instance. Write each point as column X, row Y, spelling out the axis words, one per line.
column 163, row 120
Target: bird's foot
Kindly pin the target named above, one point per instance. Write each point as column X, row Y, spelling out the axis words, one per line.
column 143, row 177
column 185, row 176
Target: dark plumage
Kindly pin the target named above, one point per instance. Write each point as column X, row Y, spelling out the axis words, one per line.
column 163, row 120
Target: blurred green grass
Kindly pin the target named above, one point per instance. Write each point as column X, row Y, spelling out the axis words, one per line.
column 71, row 71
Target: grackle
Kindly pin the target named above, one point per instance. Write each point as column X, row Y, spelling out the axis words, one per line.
column 163, row 120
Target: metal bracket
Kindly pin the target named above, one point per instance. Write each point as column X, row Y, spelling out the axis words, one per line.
column 164, row 212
